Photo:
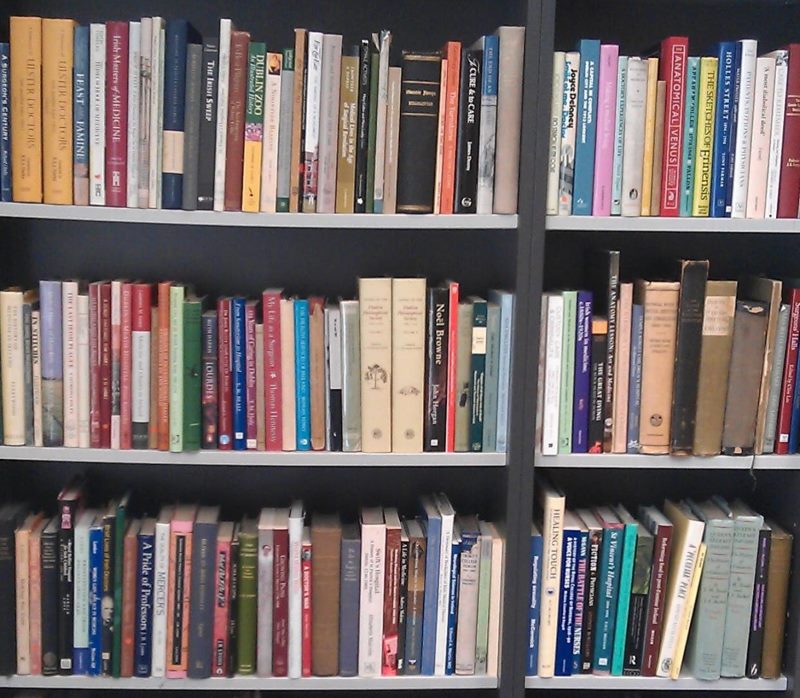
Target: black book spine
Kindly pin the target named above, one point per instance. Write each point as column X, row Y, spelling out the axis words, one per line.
column 178, row 592
column 694, row 274
column 402, row 608
column 612, row 291
column 469, row 118
column 599, row 351
column 201, row 600
column 335, row 432
column 436, row 368
column 756, row 642
column 233, row 609
column 107, row 603
column 66, row 565
column 208, row 126
column 8, row 616
column 362, row 127
column 590, row 601
column 49, row 592
column 634, row 638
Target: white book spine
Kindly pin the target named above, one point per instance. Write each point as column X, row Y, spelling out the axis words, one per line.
column 329, row 122
column 552, row 376
column 145, row 90
column 97, row 114
column 134, row 95
column 569, row 125
column 311, row 133
column 84, row 372
column 554, row 150
column 222, row 113
column 69, row 320
column 373, row 549
column 288, row 416
column 159, row 656
column 633, row 141
column 487, row 139
column 140, row 376
column 80, row 612
column 384, row 44
column 744, row 127
column 495, row 605
column 156, row 112
column 776, row 134
column 442, row 607
column 265, row 592
column 295, row 597
column 36, row 365
column 272, row 119
column 759, row 148
column 619, row 137
column 467, row 619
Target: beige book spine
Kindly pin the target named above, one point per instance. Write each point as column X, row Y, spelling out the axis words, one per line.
column 660, row 301
column 686, row 621
column 622, row 359
column 12, row 372
column 346, row 170
column 35, row 576
column 261, row 425
column 408, row 364
column 375, row 305
column 762, row 132
column 495, row 604
column 288, row 416
column 392, row 141
column 649, row 134
column 658, row 146
column 272, row 118
column 23, row 598
column 316, row 331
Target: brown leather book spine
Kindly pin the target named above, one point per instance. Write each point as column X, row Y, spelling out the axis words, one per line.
column 715, row 359
column 295, row 167
column 128, row 599
column 326, row 541
column 237, row 97
column 316, row 333
column 780, row 562
column 744, row 378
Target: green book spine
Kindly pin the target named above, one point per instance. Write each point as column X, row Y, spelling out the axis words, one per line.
column 247, row 602
column 176, row 297
column 192, row 379
column 624, row 598
column 492, row 372
column 285, row 131
column 484, row 589
column 373, row 128
column 567, row 372
column 478, row 372
column 119, row 538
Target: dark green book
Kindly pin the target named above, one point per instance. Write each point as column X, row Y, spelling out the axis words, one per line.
column 119, row 538
column 375, row 60
column 477, row 371
column 247, row 597
column 192, row 378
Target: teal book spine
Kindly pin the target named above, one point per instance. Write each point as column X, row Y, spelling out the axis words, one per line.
column 608, row 584
column 690, row 136
column 505, row 299
column 478, row 372
column 619, row 137
column 302, row 376
column 492, row 373
column 567, row 371
column 624, row 597
column 587, row 127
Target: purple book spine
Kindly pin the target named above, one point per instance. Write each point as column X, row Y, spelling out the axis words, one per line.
column 583, row 374
column 52, row 363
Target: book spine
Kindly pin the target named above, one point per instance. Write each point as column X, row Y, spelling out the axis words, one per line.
column 374, row 60
column 160, row 595
column 317, row 372
column 233, row 615
column 239, row 370
column 313, row 88
column 128, row 599
column 348, row 103
column 566, row 604
column 635, row 377
column 298, row 96
column 532, row 657
column 350, row 577
column 657, row 600
column 452, row 607
column 106, row 391
column 134, row 112
column 706, row 124
column 251, row 430
column 781, row 340
column 690, row 128
column 201, row 605
column 36, row 378
column 306, row 567
column 266, row 571
column 52, row 363
column 69, row 325
column 373, row 549
column 744, row 126
column 271, row 309
column 109, row 559
column 450, row 127
column 604, row 147
column 140, row 364
column 402, row 607
column 651, row 116
column 764, row 85
column 391, row 604
column 180, row 554
column 283, row 187
column 126, row 366
column 619, row 136
column 789, row 181
column 208, row 125
column 566, row 177
column 624, row 598
column 145, row 99
column 579, row 622
column 95, row 598
column 224, row 367
column 237, row 103
column 50, row 598
column 608, row 583
column 427, row 641
column 119, row 558
column 156, row 136
column 145, row 568
column 163, row 404
column 478, row 370
column 789, row 376
column 591, row 600
column 21, row 581
column 452, row 373
column 192, row 117
column 176, row 356
column 254, row 127
column 583, row 369
column 351, row 376
column 567, row 378
column 5, row 121
column 116, row 104
column 288, row 388
column 192, row 375
column 587, row 126
column 723, row 129
column 776, row 134
column 333, row 345
column 116, row 361
column 272, row 124
column 155, row 340
column 302, row 375
column 673, row 64
column 280, row 609
column 469, row 110
column 222, row 591
column 295, row 598
column 634, row 137
column 362, row 128
column 221, row 140
column 209, row 380
column 436, row 368
column 487, row 132
column 554, row 149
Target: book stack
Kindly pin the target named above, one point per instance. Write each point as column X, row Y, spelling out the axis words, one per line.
column 99, row 592
column 697, row 584
column 119, row 364
column 673, row 134
column 686, row 367
column 149, row 114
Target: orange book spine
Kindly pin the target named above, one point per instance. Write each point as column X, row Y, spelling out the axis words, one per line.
column 128, row 600
column 35, row 576
column 448, row 185
column 180, row 573
column 26, row 109
column 163, row 366
column 57, row 53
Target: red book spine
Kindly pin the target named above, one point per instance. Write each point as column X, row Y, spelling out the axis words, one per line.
column 452, row 355
column 250, row 373
column 789, row 191
column 94, row 364
column 453, row 55
column 280, row 602
column 237, row 102
column 672, row 65
column 789, row 373
column 126, row 369
column 658, row 592
column 305, row 569
column 105, row 365
column 225, row 406
column 162, row 417
column 391, row 603
column 222, row 595
column 128, row 605
column 116, row 113
column 271, row 311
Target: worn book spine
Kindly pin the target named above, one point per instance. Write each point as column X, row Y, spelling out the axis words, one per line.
column 237, row 103
column 775, row 604
column 207, row 135
column 191, row 125
column 469, row 109
column 116, row 113
column 326, row 544
column 254, row 126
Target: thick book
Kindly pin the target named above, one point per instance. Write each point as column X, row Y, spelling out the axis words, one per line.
column 609, row 585
column 567, row 594
column 722, row 171
column 349, row 599
column 326, row 543
column 776, row 599
column 11, row 517
column 375, row 327
column 789, row 191
column 776, row 378
column 589, row 50
column 706, row 119
column 201, row 592
column 52, row 363
column 373, row 536
column 469, row 110
column 764, row 86
column 116, row 167
column 145, row 573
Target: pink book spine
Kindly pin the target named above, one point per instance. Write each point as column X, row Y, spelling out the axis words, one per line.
column 94, row 365
column 222, row 591
column 604, row 145
column 250, row 373
column 271, row 309
column 178, row 635
column 305, row 567
column 117, row 114
column 126, row 369
column 452, row 355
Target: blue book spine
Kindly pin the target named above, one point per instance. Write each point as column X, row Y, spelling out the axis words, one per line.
column 624, row 597
column 5, row 123
column 533, row 605
column 690, row 136
column 635, row 379
column 566, row 603
column 619, row 137
column 587, row 127
column 721, row 172
column 794, row 429
column 302, row 376
column 52, row 363
column 608, row 589
column 452, row 605
column 95, row 597
column 583, row 374
column 80, row 103
column 142, row 649
column 430, row 599
column 175, row 39
column 580, row 596
column 505, row 299
column 737, row 83
column 238, row 359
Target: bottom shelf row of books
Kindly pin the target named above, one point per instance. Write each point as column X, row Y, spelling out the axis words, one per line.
column 98, row 591
column 694, row 586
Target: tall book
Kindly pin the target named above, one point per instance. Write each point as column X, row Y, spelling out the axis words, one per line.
column 298, row 94
column 661, row 529
column 247, row 597
column 627, row 567
column 622, row 368
column 748, row 49
column 704, row 152
column 567, row 379
column 468, row 131
column 408, row 364
column 619, row 136
column 329, row 122
column 375, row 327
column 436, row 365
column 763, row 102
column 633, row 143
column 690, row 135
column 326, row 543
column 208, row 124
column 567, row 594
column 156, row 136
column 220, row 140
column 609, row 576
column 191, row 125
column 350, row 582
column 776, row 379
column 673, row 64
column 604, row 149
column 589, row 50
column 373, row 548
column 117, row 46
column 723, row 128
column 313, row 89
column 776, row 598
column 237, row 104
column 134, row 110
column 97, row 114
column 487, row 143
column 648, row 151
column 348, row 103
column 272, row 126
column 201, row 592
column 254, row 126
column 640, row 594
column 566, row 174
column 781, row 57
column 554, row 149
column 478, row 371
column 5, row 120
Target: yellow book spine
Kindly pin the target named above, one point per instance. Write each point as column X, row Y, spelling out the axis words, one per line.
column 707, row 94
column 26, row 109
column 251, row 191
column 57, row 61
column 254, row 128
column 686, row 621
column 649, row 134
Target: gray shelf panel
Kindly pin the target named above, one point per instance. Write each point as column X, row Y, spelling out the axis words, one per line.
column 676, row 225
column 636, row 461
column 255, row 683
column 252, row 458
column 257, row 220
column 589, row 682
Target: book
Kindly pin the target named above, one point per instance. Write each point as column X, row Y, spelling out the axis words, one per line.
column 658, row 148
column 490, row 398
column 348, row 119
column 787, row 192
column 566, row 175
column 747, row 51
column 142, row 178
column 487, row 144
column 661, row 528
column 604, row 149
column 373, row 535
column 372, row 128
column 375, row 329
column 363, row 78
column 776, row 378
column 534, row 607
column 706, row 121
column 134, row 111
column 755, row 643
column 776, row 132
column 349, row 600
column 436, row 367
column 567, row 594
column 690, row 130
column 554, row 143
column 554, row 304
column 723, row 129
column 622, row 372
column 161, row 590
column 333, row 374
column 469, row 109
column 207, row 135
column 302, row 375
column 254, row 126
column 609, row 574
column 589, row 50
column 156, row 136
column 5, row 120
column 629, row 551
column 393, row 139
column 145, row 567
column 775, row 602
column 326, row 543
column 634, row 139
column 673, row 64
column 619, row 135
column 237, row 105
column 221, row 140
column 650, row 117
column 80, row 581
column 246, row 597
column 478, row 371
column 317, row 372
column 97, row 114
column 566, row 380
column 391, row 593
column 408, row 364
column 116, row 104
column 329, row 121
column 691, row 599
column 764, row 86
column 126, row 629
column 637, row 612
column 313, row 88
